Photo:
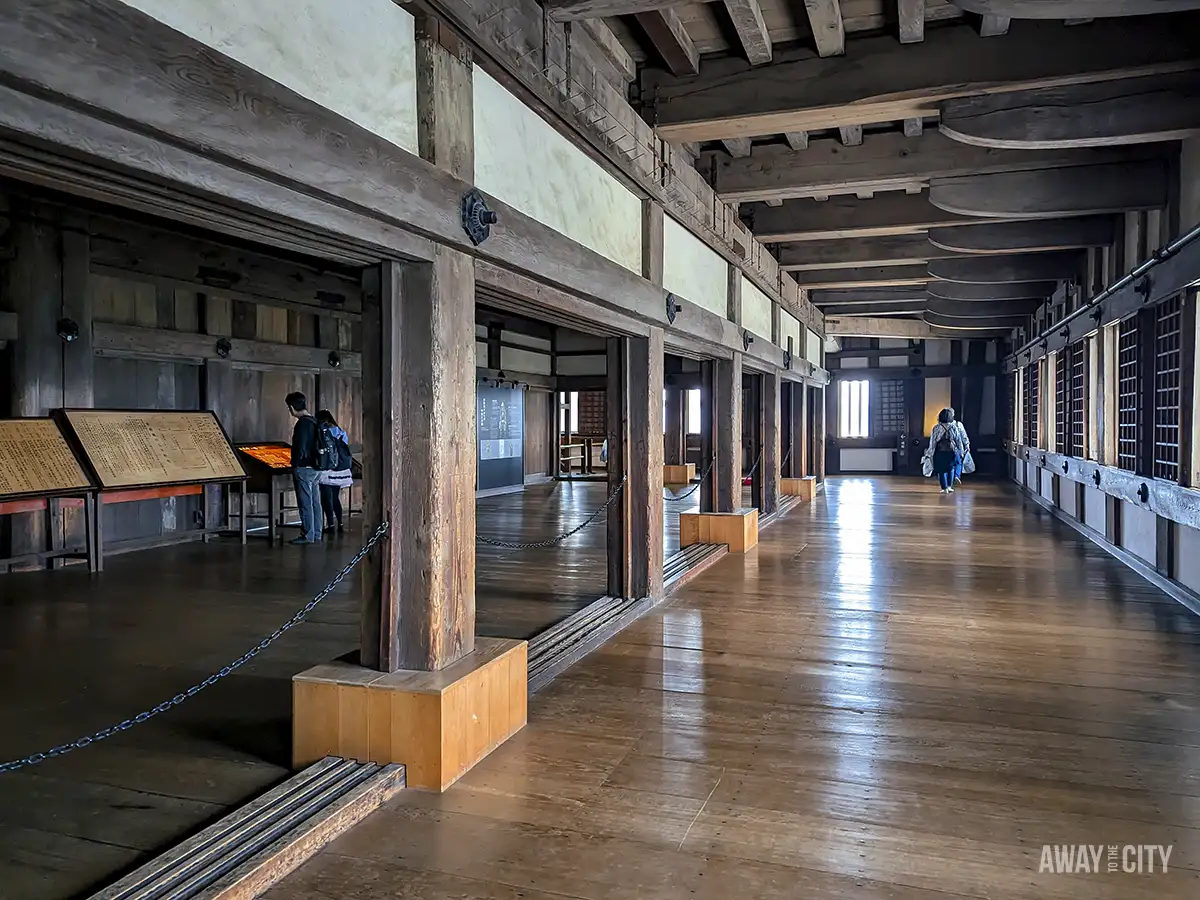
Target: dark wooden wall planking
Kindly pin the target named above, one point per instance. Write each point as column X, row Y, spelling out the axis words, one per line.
column 538, row 410
column 66, row 258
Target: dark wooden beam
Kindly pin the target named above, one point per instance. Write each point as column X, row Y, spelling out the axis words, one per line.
column 974, row 310
column 890, row 213
column 1003, row 269
column 618, row 538
column 883, row 327
column 708, row 435
column 751, row 28
column 728, row 413
column 644, row 489
column 877, row 276
column 566, row 10
column 901, row 249
column 1074, row 191
column 652, row 241
column 1030, row 236
column 829, row 34
column 887, row 162
column 8, row 327
column 671, row 40
column 988, row 293
column 910, row 15
column 1128, row 111
column 1073, row 9
column 880, row 80
column 772, row 437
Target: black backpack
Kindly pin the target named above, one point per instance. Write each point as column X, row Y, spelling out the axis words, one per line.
column 945, row 444
column 327, row 449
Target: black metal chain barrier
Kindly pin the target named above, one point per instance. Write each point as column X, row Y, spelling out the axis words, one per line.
column 258, row 648
column 695, row 487
column 558, row 539
column 754, row 468
column 786, row 457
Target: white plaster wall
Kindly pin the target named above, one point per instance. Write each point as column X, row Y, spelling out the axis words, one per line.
column 812, row 347
column 354, row 57
column 513, row 359
column 789, row 326
column 1187, row 556
column 1046, row 485
column 866, row 460
column 894, row 362
column 1068, row 499
column 854, row 362
column 524, row 162
column 693, row 271
column 481, row 354
column 893, row 344
column 582, row 365
column 1094, row 508
column 1139, row 531
column 937, row 353
column 756, row 310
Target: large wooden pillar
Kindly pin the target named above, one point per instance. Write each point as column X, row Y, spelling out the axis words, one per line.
column 771, row 431
column 728, row 413
column 635, row 453
column 708, row 437
column 755, row 451
column 676, row 409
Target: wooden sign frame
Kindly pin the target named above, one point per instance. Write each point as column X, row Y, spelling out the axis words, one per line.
column 84, row 468
column 62, row 416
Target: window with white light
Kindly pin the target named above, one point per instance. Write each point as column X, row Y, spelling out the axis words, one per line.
column 693, row 412
column 854, row 403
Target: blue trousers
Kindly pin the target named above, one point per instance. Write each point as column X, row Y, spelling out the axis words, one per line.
column 308, row 498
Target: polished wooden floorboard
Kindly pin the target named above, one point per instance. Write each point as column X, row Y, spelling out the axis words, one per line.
column 79, row 653
column 897, row 695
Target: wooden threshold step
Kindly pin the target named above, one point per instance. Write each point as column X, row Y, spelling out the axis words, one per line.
column 254, row 847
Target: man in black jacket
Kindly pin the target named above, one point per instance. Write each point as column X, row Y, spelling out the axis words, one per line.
column 305, row 444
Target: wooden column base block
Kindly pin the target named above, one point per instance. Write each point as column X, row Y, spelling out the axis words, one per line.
column 679, row 474
column 738, row 529
column 805, row 488
column 438, row 724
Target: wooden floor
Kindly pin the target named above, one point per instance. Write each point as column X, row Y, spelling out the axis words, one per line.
column 78, row 654
column 898, row 696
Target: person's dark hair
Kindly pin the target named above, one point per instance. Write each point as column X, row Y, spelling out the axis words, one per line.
column 296, row 401
column 325, row 417
column 946, row 416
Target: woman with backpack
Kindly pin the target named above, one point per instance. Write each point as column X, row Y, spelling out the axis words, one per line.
column 338, row 476
column 948, row 449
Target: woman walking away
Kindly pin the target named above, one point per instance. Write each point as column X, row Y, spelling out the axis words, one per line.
column 948, row 447
column 333, row 480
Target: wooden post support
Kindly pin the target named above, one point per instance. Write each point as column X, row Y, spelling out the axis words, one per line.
column 817, row 463
column 674, row 452
column 753, row 423
column 728, row 414
column 652, row 241
column 734, row 296
column 771, row 431
column 708, row 436
column 644, row 489
column 617, row 522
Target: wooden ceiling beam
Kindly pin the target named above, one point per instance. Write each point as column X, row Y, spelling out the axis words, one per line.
column 567, row 10
column 1003, row 269
column 886, row 162
column 951, row 308
column 1074, row 9
column 894, row 250
column 845, row 217
column 737, row 147
column 872, row 326
column 838, row 297
column 751, row 28
column 1027, row 237
column 829, row 34
column 851, row 135
column 910, row 17
column 988, row 293
column 1128, row 111
column 881, row 80
column 876, row 276
column 884, row 308
column 1074, row 191
column 671, row 40
column 988, row 323
column 797, row 140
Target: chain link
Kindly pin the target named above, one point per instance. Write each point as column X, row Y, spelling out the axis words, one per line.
column 754, row 468
column 258, row 648
column 542, row 545
column 786, row 457
column 695, row 487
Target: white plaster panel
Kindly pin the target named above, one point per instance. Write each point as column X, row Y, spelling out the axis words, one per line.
column 513, row 359
column 568, row 340
column 937, row 353
column 354, row 57
column 1139, row 531
column 582, row 365
column 756, row 310
column 893, row 344
column 481, row 354
column 812, row 347
column 1095, row 508
column 1068, row 499
column 523, row 161
column 893, row 362
column 1046, row 484
column 865, row 459
column 854, row 362
column 693, row 271
column 789, row 327
column 525, row 340
column 1187, row 556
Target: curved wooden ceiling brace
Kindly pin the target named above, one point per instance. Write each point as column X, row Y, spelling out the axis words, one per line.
column 1027, row 237
column 1043, row 193
column 1074, row 9
column 990, row 293
column 1102, row 114
column 993, row 323
column 951, row 309
column 1003, row 269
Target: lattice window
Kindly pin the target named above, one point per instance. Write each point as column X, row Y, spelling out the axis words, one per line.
column 593, row 412
column 1031, row 405
column 1078, row 399
column 891, row 415
column 1010, row 411
column 1062, row 401
column 1128, row 395
column 1168, row 331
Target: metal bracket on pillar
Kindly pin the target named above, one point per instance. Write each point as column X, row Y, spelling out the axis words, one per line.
column 1065, row 467
column 66, row 330
column 1144, row 493
column 335, row 361
column 1097, row 313
column 1065, row 334
column 224, row 348
column 672, row 308
column 1142, row 288
column 1096, row 477
column 477, row 219
column 787, row 359
column 747, row 339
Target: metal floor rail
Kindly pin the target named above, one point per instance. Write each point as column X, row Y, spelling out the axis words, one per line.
column 248, row 850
